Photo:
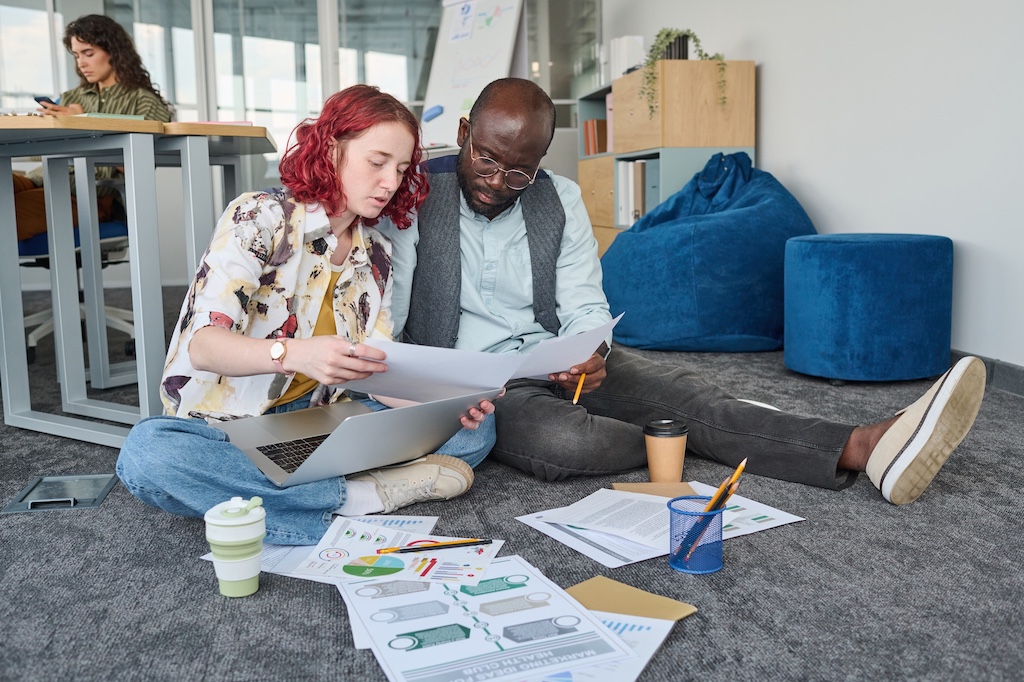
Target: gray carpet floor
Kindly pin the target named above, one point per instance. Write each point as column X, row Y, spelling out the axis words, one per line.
column 861, row 590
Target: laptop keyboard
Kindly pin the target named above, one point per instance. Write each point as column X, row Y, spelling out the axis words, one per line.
column 290, row 454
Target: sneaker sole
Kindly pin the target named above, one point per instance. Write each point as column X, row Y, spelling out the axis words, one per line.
column 959, row 400
column 449, row 462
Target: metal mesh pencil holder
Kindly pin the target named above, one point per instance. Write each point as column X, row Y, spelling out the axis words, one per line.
column 695, row 536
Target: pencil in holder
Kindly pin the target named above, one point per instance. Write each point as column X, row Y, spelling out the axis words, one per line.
column 695, row 536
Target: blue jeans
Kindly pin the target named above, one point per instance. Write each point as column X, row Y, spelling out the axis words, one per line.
column 185, row 467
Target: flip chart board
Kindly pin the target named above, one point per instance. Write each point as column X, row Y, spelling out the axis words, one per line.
column 475, row 45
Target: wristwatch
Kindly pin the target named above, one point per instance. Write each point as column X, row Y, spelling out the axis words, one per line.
column 277, row 352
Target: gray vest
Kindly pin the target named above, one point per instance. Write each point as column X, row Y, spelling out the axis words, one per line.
column 434, row 306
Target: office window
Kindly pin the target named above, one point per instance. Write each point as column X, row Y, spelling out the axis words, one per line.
column 267, row 56
column 563, row 38
column 389, row 44
column 26, row 67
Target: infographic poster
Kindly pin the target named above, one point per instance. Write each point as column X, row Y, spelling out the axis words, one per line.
column 511, row 625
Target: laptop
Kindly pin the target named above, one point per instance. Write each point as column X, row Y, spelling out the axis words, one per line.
column 346, row 437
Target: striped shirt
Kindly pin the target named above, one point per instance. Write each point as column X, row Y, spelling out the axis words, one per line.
column 117, row 99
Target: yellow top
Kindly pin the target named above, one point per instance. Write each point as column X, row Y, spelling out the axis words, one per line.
column 301, row 384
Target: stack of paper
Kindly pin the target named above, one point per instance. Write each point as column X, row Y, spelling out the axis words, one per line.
column 617, row 527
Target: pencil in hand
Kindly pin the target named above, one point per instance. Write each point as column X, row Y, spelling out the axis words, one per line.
column 579, row 388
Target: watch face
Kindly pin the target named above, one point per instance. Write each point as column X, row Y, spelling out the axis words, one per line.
column 277, row 351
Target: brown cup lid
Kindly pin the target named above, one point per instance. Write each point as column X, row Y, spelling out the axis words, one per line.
column 665, row 428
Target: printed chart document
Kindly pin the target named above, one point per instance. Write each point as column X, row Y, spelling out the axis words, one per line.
column 286, row 559
column 634, row 516
column 424, row 373
column 743, row 516
column 615, row 531
column 608, row 550
column 515, row 624
column 348, row 551
column 643, row 635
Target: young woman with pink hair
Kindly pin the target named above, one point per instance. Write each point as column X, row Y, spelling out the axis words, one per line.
column 294, row 280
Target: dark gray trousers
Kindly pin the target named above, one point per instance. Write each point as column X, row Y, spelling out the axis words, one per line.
column 541, row 432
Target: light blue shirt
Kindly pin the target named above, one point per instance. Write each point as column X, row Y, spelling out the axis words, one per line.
column 497, row 278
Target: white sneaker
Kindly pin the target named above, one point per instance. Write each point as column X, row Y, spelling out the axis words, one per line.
column 915, row 447
column 434, row 477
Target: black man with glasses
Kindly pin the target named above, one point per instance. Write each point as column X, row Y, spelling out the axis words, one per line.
column 502, row 255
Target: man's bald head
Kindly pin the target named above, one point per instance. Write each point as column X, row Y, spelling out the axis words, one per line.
column 516, row 98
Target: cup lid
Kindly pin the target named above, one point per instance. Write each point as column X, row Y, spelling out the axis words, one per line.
column 236, row 512
column 664, row 428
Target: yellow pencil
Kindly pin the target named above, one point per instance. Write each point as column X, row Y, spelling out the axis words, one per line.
column 728, row 494
column 579, row 388
column 468, row 542
column 723, row 490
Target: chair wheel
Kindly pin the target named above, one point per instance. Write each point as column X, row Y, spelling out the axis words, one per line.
column 129, row 348
column 30, row 354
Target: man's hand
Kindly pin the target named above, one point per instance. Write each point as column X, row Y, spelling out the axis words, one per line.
column 593, row 368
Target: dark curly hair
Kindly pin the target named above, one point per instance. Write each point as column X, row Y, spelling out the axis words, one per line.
column 108, row 35
column 308, row 169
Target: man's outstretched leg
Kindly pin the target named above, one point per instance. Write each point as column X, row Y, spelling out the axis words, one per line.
column 541, row 432
column 902, row 455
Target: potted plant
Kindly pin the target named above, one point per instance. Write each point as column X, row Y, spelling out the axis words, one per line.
column 666, row 37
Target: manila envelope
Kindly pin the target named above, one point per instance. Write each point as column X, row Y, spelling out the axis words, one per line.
column 659, row 489
column 604, row 594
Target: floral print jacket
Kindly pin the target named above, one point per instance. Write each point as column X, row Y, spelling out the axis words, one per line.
column 265, row 275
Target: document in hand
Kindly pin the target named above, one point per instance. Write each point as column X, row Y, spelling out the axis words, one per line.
column 425, row 373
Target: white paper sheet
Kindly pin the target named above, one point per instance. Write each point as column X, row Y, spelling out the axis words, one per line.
column 516, row 623
column 424, row 373
column 348, row 551
column 608, row 550
column 643, row 635
column 634, row 516
column 592, row 528
column 743, row 516
column 285, row 559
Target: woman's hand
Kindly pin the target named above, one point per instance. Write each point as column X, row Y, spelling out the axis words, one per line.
column 47, row 109
column 333, row 360
column 328, row 359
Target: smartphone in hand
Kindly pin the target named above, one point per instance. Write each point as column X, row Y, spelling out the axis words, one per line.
column 43, row 98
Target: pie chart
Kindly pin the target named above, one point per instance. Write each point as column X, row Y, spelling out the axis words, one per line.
column 374, row 566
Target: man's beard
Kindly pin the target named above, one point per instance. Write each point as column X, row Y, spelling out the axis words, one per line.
column 489, row 211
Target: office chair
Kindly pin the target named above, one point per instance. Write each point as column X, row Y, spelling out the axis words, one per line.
column 34, row 252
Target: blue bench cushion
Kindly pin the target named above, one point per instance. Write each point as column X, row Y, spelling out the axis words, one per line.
column 703, row 271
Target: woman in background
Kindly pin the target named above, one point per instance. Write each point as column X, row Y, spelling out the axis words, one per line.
column 112, row 81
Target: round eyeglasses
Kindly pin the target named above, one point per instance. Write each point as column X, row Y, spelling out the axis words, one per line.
column 485, row 167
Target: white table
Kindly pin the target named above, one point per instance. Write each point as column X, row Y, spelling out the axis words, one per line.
column 135, row 144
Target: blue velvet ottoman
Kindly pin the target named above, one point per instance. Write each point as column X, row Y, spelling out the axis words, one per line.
column 868, row 307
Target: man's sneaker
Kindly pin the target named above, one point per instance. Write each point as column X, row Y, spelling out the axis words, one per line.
column 916, row 446
column 434, row 477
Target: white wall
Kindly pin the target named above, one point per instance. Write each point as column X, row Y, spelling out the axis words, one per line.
column 884, row 116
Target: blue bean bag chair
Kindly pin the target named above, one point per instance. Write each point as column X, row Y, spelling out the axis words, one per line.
column 703, row 271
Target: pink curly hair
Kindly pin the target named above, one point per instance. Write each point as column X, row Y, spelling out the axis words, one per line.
column 307, row 167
